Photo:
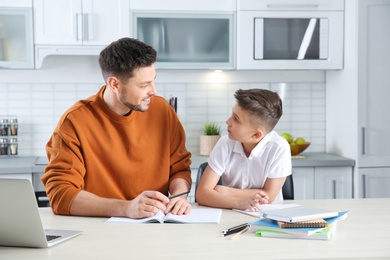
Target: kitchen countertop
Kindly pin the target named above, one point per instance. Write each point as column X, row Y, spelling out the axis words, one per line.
column 308, row 160
column 32, row 164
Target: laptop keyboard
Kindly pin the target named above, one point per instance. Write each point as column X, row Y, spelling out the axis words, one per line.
column 50, row 237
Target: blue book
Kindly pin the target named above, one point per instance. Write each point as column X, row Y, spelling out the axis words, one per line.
column 272, row 225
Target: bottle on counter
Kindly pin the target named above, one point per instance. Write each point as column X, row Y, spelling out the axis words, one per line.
column 13, row 146
column 3, row 126
column 13, row 126
column 3, row 146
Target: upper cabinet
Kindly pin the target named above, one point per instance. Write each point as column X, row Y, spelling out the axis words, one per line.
column 291, row 35
column 78, row 26
column 16, row 35
column 187, row 36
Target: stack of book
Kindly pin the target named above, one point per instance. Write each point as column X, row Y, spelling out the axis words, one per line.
column 300, row 222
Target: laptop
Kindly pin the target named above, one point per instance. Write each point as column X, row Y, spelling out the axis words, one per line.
column 20, row 222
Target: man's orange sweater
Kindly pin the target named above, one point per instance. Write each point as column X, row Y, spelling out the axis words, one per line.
column 114, row 156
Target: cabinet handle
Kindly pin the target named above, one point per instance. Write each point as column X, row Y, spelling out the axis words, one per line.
column 363, row 140
column 284, row 6
column 364, row 186
column 85, row 27
column 334, row 188
column 79, row 28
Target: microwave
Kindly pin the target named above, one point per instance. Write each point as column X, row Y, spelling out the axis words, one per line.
column 304, row 35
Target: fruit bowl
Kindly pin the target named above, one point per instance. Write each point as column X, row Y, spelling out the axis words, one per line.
column 298, row 148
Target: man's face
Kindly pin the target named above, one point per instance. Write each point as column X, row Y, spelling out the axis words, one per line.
column 138, row 90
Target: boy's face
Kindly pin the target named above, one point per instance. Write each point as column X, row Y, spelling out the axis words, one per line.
column 239, row 126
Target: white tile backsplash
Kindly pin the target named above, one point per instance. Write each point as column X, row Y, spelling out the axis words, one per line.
column 39, row 106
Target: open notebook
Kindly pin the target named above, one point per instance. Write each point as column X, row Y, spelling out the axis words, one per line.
column 197, row 216
column 20, row 222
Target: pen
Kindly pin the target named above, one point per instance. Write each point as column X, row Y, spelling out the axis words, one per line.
column 241, row 226
column 235, row 229
column 178, row 195
column 240, row 233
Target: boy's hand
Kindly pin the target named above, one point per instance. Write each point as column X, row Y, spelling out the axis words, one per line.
column 263, row 197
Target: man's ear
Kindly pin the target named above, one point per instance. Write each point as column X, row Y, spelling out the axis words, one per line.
column 113, row 83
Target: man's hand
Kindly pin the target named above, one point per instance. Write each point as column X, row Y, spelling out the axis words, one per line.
column 147, row 204
column 178, row 206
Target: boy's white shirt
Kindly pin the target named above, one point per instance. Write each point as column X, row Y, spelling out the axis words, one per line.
column 271, row 158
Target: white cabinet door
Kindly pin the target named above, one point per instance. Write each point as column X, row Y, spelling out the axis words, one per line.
column 303, row 178
column 105, row 21
column 374, row 83
column 191, row 196
column 333, row 182
column 374, row 183
column 80, row 22
column 27, row 176
column 55, row 22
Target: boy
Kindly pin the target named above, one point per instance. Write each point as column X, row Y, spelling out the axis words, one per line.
column 252, row 160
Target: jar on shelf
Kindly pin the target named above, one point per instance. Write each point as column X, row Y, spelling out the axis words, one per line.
column 13, row 146
column 3, row 146
column 3, row 126
column 13, row 126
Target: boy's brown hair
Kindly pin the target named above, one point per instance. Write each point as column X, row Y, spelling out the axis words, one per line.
column 264, row 107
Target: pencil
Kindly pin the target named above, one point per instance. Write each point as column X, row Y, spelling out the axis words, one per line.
column 178, row 195
column 239, row 233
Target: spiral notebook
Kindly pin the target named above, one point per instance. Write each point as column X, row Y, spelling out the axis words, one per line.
column 317, row 223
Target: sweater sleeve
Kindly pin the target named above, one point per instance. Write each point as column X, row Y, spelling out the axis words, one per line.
column 180, row 156
column 64, row 175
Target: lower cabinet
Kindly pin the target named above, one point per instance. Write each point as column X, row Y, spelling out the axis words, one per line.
column 322, row 182
column 27, row 176
column 374, row 182
column 191, row 196
column 315, row 183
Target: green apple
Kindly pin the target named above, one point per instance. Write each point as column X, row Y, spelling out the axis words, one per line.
column 300, row 140
column 288, row 137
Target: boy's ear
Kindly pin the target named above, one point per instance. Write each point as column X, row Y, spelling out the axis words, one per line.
column 259, row 134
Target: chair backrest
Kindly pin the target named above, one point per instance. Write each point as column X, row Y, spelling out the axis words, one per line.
column 42, row 199
column 287, row 189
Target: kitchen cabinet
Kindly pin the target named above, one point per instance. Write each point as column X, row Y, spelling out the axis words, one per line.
column 16, row 35
column 374, row 183
column 322, row 182
column 315, row 176
column 194, row 35
column 27, row 176
column 62, row 25
column 374, row 83
column 194, row 173
column 357, row 99
column 303, row 182
column 373, row 92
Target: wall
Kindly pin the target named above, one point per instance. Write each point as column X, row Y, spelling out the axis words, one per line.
column 39, row 97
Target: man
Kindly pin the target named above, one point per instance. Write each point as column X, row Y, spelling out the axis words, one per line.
column 122, row 151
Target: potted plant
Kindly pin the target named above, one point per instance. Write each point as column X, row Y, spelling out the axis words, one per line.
column 209, row 137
